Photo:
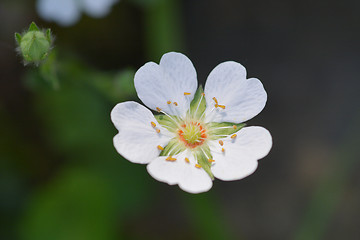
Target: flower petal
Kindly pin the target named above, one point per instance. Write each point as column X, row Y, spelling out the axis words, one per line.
column 64, row 12
column 137, row 139
column 98, row 8
column 186, row 175
column 157, row 84
column 243, row 98
column 241, row 153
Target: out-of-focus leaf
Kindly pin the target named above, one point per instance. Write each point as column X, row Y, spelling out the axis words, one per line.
column 76, row 205
column 116, row 87
column 77, row 125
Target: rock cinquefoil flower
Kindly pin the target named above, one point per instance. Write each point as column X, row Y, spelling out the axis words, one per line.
column 197, row 135
column 68, row 12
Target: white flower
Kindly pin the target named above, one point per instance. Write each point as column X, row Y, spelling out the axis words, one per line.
column 68, row 12
column 201, row 134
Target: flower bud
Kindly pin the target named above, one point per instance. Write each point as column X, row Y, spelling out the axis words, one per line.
column 34, row 45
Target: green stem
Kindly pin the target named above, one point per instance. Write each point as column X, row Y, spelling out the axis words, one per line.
column 163, row 28
column 205, row 215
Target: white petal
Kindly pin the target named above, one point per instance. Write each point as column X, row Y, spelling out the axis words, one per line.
column 64, row 12
column 156, row 84
column 97, row 8
column 241, row 154
column 243, row 98
column 186, row 175
column 137, row 140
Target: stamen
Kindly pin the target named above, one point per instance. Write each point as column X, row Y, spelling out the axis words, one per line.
column 175, row 103
column 203, row 94
column 170, row 158
column 221, row 142
column 216, row 105
column 211, row 160
column 158, row 109
column 197, row 166
column 221, row 106
column 160, row 147
column 187, row 160
column 216, row 101
column 234, row 127
column 153, row 124
column 187, row 93
column 168, row 102
column 233, row 136
column 158, row 130
column 223, row 149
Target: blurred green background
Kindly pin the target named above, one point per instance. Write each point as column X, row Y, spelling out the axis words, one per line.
column 61, row 178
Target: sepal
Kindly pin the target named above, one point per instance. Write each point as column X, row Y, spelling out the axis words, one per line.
column 167, row 122
column 203, row 156
column 198, row 104
column 219, row 130
column 173, row 148
column 33, row 27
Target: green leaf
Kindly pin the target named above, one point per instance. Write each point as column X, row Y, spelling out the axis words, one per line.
column 218, row 130
column 76, row 204
column 203, row 159
column 18, row 38
column 198, row 104
column 167, row 122
column 172, row 148
column 33, row 27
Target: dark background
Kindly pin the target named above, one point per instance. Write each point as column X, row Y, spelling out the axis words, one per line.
column 61, row 178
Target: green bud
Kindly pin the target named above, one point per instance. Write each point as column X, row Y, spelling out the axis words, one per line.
column 34, row 44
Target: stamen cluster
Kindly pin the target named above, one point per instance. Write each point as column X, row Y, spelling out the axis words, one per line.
column 192, row 134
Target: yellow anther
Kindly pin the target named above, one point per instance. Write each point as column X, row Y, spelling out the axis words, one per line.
column 197, row 166
column 153, row 124
column 160, row 147
column 221, row 142
column 234, row 127
column 211, row 160
column 187, row 160
column 170, row 158
column 216, row 105
column 221, row 106
column 168, row 102
column 158, row 130
column 203, row 94
column 187, row 93
column 233, row 136
column 158, row 109
column 216, row 101
column 223, row 149
column 175, row 103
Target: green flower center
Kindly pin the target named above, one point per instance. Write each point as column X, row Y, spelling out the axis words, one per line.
column 192, row 134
